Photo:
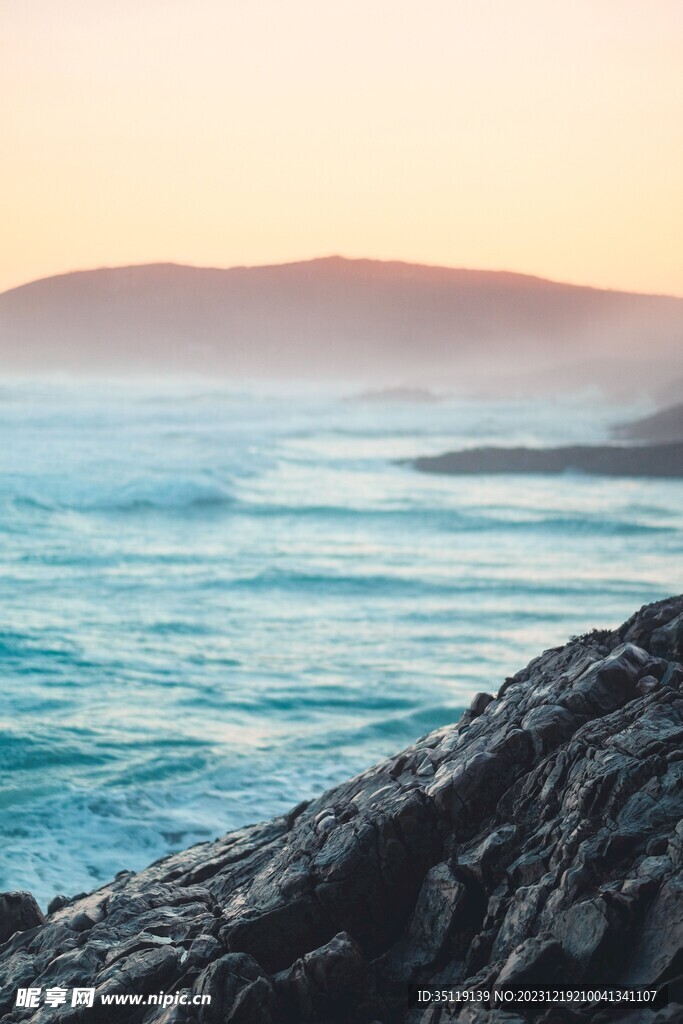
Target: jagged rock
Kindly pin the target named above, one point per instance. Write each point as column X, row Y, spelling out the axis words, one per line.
column 583, row 931
column 442, row 906
column 539, row 839
column 222, row 981
column 668, row 639
column 325, row 984
column 18, row 912
column 536, row 962
column 56, row 903
column 658, row 951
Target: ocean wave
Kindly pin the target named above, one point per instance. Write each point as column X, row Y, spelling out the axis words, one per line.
column 20, row 753
column 396, row 729
column 180, row 496
column 458, row 520
column 397, row 585
column 208, row 611
column 169, row 493
column 173, row 493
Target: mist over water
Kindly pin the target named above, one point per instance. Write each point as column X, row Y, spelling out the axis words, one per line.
column 214, row 603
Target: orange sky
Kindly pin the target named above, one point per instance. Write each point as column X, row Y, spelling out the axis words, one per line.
column 544, row 137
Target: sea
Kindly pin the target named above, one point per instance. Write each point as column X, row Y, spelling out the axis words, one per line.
column 217, row 601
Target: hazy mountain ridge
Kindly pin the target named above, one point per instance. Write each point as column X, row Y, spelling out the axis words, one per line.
column 358, row 319
column 662, row 427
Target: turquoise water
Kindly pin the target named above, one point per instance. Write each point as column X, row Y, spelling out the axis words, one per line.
column 214, row 604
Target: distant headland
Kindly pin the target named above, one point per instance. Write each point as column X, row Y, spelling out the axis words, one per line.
column 664, row 460
column 661, row 454
column 660, row 428
column 477, row 332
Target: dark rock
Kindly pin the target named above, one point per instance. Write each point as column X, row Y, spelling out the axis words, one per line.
column 485, row 858
column 479, row 703
column 256, row 1003
column 538, row 961
column 526, row 870
column 668, row 639
column 81, row 922
column 18, row 912
column 583, row 930
column 658, row 952
column 539, row 840
column 325, row 984
column 550, row 725
column 655, row 460
column 176, row 1014
column 673, row 676
column 441, row 908
column 657, row 846
column 222, row 981
column 56, row 903
column 648, row 684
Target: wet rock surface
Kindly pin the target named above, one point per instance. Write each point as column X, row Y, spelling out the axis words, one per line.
column 537, row 842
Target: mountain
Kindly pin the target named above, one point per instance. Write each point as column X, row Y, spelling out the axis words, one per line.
column 662, row 427
column 383, row 323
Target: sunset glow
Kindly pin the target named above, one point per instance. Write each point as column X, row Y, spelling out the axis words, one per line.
column 543, row 138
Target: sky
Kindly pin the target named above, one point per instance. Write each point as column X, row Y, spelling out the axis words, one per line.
column 527, row 135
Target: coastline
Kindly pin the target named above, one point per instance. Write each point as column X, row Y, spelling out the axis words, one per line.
column 535, row 841
column 655, row 460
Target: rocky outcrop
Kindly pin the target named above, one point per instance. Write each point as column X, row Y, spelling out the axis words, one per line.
column 538, row 841
column 663, row 427
column 18, row 912
column 654, row 460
